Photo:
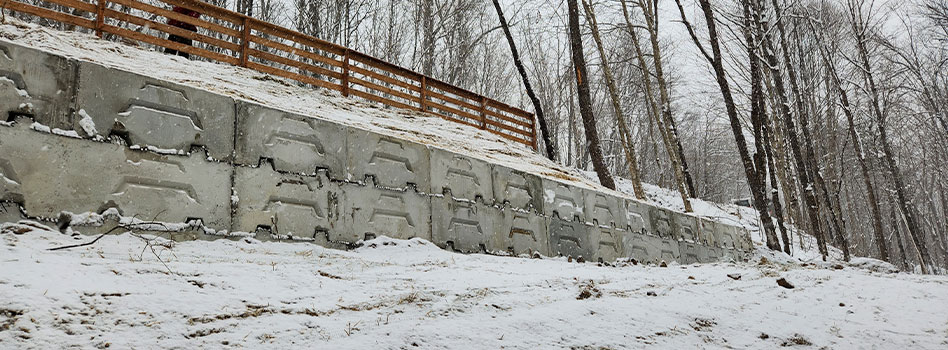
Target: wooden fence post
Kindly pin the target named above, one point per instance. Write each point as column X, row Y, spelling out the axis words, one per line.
column 99, row 17
column 483, row 113
column 424, row 87
column 245, row 42
column 533, row 130
column 345, row 73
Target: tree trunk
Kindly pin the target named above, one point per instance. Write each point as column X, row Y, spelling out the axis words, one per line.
column 626, row 137
column 651, row 22
column 911, row 222
column 544, row 131
column 717, row 63
column 585, row 104
column 427, row 37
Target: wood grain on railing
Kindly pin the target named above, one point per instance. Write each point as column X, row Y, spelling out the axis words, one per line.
column 233, row 38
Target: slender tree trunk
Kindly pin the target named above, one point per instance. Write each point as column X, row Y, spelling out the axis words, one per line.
column 866, row 177
column 908, row 212
column 427, row 37
column 653, row 110
column 810, row 200
column 626, row 138
column 585, row 103
column 544, row 131
column 717, row 63
column 650, row 12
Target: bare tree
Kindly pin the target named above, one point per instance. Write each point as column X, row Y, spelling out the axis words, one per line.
column 585, row 105
column 544, row 130
column 625, row 136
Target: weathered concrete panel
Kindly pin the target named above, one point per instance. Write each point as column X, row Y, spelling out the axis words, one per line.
column 37, row 84
column 637, row 217
column 725, row 236
column 467, row 226
column 706, row 232
column 56, row 173
column 663, row 223
column 605, row 210
column 369, row 211
column 10, row 212
column 563, row 201
column 687, row 226
column 465, row 177
column 610, row 246
column 690, row 252
column 744, row 240
column 153, row 112
column 516, row 189
column 570, row 238
column 648, row 248
column 394, row 163
column 521, row 232
column 286, row 205
column 295, row 143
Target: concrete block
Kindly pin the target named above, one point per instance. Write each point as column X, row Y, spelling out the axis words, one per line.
column 153, row 112
column 663, row 223
column 286, row 205
column 37, row 84
column 746, row 244
column 521, row 232
column 691, row 253
column 637, row 217
column 706, row 232
column 55, row 173
column 649, row 248
column 687, row 226
column 605, row 210
column 369, row 211
column 725, row 236
column 570, row 238
column 394, row 163
column 465, row 177
column 713, row 254
column 610, row 245
column 294, row 143
column 563, row 201
column 517, row 189
column 11, row 183
column 465, row 226
column 10, row 212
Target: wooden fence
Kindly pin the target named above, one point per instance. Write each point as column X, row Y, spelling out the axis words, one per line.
column 231, row 37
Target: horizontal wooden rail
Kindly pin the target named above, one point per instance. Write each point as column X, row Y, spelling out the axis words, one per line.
column 230, row 37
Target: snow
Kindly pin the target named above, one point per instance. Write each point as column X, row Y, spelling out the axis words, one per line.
column 87, row 124
column 135, row 290
column 392, row 294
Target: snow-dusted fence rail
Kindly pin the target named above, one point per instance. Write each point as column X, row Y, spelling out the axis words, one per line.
column 233, row 38
column 99, row 141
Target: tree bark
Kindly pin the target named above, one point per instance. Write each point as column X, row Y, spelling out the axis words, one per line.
column 544, row 130
column 650, row 12
column 585, row 104
column 626, row 137
column 911, row 223
column 717, row 63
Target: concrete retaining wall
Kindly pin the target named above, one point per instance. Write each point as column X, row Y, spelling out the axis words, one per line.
column 173, row 153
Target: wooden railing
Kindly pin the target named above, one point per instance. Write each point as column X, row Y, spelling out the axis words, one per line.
column 231, row 37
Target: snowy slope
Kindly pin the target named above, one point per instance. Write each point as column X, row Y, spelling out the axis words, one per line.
column 410, row 294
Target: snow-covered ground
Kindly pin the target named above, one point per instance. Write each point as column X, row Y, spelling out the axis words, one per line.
column 133, row 291
column 393, row 294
